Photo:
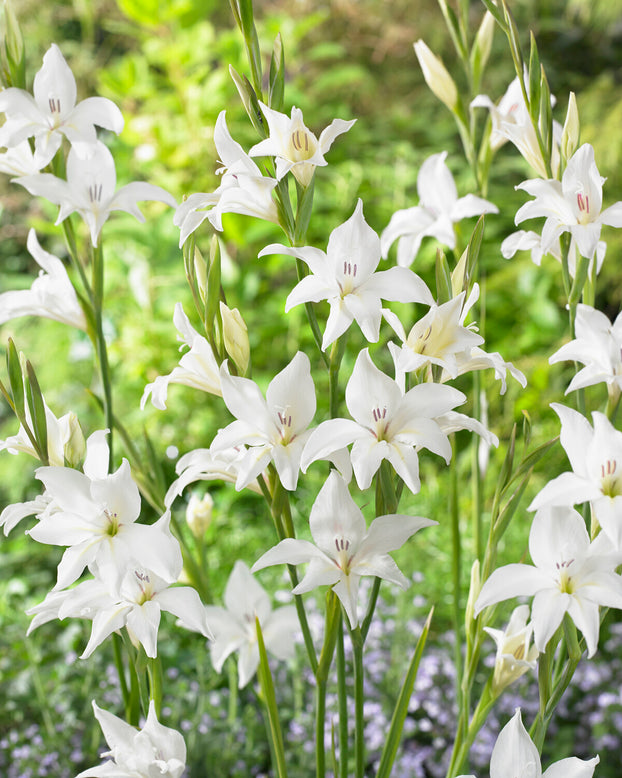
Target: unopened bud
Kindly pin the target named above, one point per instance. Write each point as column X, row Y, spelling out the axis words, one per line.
column 74, row 447
column 474, row 590
column 199, row 514
column 572, row 128
column 13, row 47
column 482, row 45
column 200, row 272
column 235, row 335
column 436, row 75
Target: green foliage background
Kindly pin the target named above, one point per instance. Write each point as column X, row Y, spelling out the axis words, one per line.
column 166, row 65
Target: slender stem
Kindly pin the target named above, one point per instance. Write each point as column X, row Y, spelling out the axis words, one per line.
column 320, row 716
column 343, row 704
column 456, row 551
column 359, row 700
column 100, row 345
column 154, row 671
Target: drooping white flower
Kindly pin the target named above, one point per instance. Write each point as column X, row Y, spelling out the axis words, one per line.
column 528, row 240
column 294, row 146
column 346, row 277
column 243, row 189
column 19, row 160
column 572, row 205
column 205, row 465
column 569, row 575
column 385, row 424
column 595, row 454
column 90, row 189
column 197, row 368
column 442, row 338
column 344, row 549
column 515, row 754
column 438, row 210
column 51, row 295
column 52, row 112
column 274, row 428
column 154, row 750
column 598, row 346
column 511, row 121
column 235, row 629
column 510, row 111
column 515, row 655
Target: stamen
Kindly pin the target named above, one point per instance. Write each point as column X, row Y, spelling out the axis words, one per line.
column 378, row 413
column 54, row 104
column 300, row 140
column 342, row 544
column 95, row 192
column 142, row 576
column 583, row 202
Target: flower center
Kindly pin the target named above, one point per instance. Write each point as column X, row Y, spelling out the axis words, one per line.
column 144, row 584
column 610, row 478
column 113, row 523
column 379, row 415
column 95, row 192
column 285, row 420
column 343, row 559
column 348, row 280
column 302, row 145
column 564, row 579
column 583, row 203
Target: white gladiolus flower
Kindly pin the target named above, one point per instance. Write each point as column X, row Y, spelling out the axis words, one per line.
column 515, row 754
column 346, row 277
column 51, row 295
column 438, row 210
column 274, row 428
column 345, row 549
column 572, row 205
column 52, row 112
column 569, row 575
column 235, row 628
column 154, row 750
column 294, row 146
column 90, row 189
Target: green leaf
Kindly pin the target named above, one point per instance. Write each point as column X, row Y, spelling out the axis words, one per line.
column 394, row 735
column 16, row 381
column 304, row 208
column 443, row 278
column 534, row 80
column 37, row 413
column 496, row 12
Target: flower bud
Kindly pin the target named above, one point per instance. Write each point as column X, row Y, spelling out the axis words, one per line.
column 436, row 75
column 13, row 47
column 570, row 133
column 483, row 39
column 235, row 335
column 199, row 514
column 74, row 447
column 474, row 590
column 200, row 272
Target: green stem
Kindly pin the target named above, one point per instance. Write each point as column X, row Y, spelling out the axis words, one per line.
column 154, row 671
column 100, row 345
column 359, row 700
column 342, row 694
